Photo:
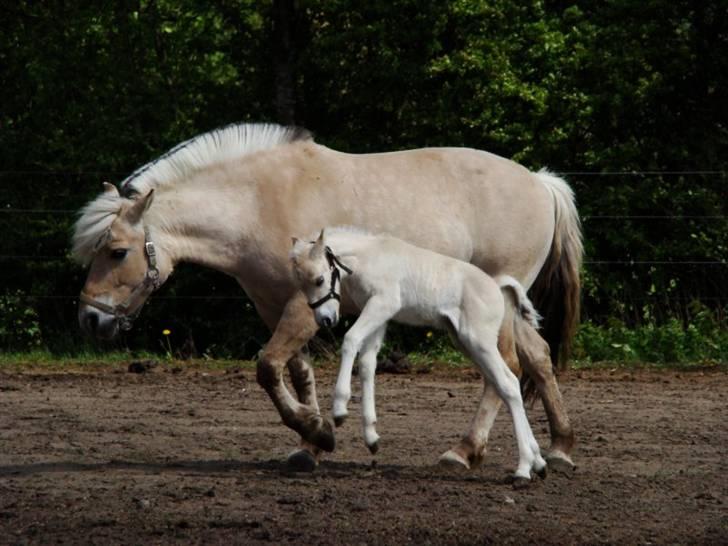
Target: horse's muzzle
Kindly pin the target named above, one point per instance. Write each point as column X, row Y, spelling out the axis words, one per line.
column 96, row 323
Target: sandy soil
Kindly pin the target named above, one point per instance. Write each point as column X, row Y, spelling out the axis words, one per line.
column 195, row 457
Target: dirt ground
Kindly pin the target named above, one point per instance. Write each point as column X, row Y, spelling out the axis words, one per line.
column 196, row 457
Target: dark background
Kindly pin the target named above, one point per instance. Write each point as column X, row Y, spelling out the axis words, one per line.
column 627, row 99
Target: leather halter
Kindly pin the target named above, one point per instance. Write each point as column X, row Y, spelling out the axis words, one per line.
column 141, row 291
column 335, row 264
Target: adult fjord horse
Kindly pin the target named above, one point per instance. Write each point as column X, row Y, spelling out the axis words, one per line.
column 232, row 198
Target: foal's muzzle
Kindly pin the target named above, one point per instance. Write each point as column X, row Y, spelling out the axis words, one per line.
column 326, row 318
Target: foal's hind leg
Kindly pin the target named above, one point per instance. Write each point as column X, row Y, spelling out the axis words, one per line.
column 470, row 450
column 496, row 371
column 533, row 353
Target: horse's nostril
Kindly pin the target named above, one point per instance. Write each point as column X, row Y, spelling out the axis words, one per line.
column 92, row 321
column 326, row 321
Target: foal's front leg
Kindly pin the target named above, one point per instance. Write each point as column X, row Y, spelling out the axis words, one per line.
column 377, row 311
column 367, row 373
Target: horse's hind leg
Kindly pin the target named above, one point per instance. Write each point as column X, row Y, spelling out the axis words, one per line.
column 295, row 327
column 533, row 353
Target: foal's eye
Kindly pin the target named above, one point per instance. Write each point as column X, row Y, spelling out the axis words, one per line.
column 118, row 254
column 319, row 281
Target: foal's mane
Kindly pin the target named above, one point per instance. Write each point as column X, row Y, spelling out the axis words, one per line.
column 230, row 142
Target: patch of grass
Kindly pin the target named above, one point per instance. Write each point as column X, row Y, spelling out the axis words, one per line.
column 93, row 359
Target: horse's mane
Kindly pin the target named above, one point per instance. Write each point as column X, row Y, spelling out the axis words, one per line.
column 230, row 142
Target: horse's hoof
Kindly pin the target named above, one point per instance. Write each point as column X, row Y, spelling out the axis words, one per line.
column 560, row 464
column 374, row 448
column 322, row 435
column 519, row 482
column 339, row 420
column 450, row 459
column 542, row 473
column 301, row 460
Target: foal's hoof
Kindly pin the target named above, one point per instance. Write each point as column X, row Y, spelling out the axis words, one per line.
column 542, row 473
column 520, row 483
column 339, row 420
column 301, row 460
column 452, row 460
column 373, row 448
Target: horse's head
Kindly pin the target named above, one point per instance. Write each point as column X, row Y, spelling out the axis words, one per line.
column 111, row 237
column 318, row 271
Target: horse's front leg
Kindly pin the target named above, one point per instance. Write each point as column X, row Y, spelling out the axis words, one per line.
column 295, row 327
column 307, row 456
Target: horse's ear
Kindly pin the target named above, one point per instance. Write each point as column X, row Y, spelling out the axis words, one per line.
column 110, row 188
column 139, row 207
column 294, row 240
column 318, row 247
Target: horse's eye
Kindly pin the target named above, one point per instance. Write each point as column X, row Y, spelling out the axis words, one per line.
column 118, row 254
column 319, row 281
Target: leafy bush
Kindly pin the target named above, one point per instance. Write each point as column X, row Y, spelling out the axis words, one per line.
column 19, row 326
column 703, row 338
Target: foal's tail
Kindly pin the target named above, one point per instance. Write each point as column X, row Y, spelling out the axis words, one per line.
column 525, row 308
column 557, row 288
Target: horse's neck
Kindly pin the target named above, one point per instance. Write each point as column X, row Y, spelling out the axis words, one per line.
column 202, row 224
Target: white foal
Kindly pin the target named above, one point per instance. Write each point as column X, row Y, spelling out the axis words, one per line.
column 385, row 278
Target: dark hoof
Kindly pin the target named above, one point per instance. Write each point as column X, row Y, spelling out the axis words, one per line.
column 542, row 473
column 561, row 466
column 374, row 448
column 323, row 436
column 520, row 483
column 338, row 421
column 301, row 461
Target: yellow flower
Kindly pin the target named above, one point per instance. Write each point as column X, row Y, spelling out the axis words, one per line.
column 428, row 334
column 166, row 332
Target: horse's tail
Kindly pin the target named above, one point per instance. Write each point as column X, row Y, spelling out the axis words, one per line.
column 523, row 305
column 556, row 291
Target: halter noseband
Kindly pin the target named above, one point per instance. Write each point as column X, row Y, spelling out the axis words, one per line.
column 335, row 264
column 150, row 283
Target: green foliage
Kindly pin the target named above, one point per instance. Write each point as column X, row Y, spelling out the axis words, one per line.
column 19, row 327
column 704, row 339
column 89, row 95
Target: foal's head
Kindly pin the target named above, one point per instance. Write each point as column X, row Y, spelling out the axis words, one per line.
column 111, row 238
column 317, row 273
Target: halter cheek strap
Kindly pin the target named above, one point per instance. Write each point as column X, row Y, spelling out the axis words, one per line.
column 335, row 264
column 129, row 309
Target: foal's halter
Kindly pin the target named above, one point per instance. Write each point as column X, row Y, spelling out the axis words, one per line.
column 335, row 264
column 139, row 293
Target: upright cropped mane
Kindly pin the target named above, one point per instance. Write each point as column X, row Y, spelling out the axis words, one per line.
column 230, row 142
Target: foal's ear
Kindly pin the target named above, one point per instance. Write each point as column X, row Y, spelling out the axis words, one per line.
column 139, row 207
column 294, row 240
column 110, row 188
column 318, row 247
